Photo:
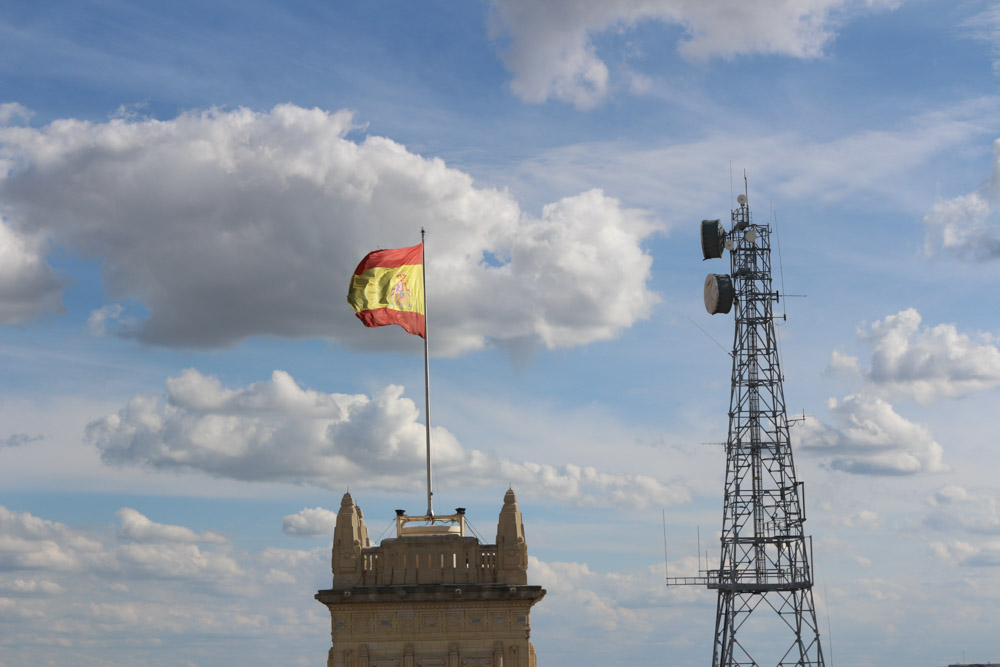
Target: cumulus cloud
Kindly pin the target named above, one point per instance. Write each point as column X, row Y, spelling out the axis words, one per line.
column 310, row 522
column 186, row 562
column 923, row 362
column 861, row 519
column 552, row 55
column 953, row 507
column 31, row 587
column 967, row 226
column 101, row 317
column 136, row 527
column 958, row 552
column 28, row 285
column 28, row 542
column 843, row 364
column 868, row 437
column 227, row 224
column 137, row 595
column 145, row 549
column 278, row 431
column 11, row 110
column 605, row 602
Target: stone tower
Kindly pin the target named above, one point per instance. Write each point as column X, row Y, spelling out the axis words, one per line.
column 431, row 596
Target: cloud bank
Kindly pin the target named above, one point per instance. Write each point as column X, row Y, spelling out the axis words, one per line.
column 276, row 431
column 230, row 224
column 65, row 592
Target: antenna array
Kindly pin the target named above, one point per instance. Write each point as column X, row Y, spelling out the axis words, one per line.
column 765, row 562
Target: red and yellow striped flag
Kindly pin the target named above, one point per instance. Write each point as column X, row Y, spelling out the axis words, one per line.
column 388, row 288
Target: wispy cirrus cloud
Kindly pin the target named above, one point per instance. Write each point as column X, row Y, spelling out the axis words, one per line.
column 883, row 164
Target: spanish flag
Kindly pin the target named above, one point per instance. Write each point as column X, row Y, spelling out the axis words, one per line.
column 388, row 288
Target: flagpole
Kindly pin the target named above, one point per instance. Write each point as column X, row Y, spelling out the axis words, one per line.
column 427, row 378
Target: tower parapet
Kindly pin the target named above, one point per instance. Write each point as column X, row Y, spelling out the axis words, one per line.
column 431, row 595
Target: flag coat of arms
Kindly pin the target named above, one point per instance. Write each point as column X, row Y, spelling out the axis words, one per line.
column 388, row 288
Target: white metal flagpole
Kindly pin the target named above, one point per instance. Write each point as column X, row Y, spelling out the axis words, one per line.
column 427, row 377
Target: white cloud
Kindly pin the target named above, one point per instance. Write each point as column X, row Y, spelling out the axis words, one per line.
column 136, row 527
column 28, row 286
column 28, row 542
column 11, row 110
column 870, row 438
column 100, row 317
column 146, row 549
column 607, row 602
column 31, row 587
column 843, row 364
column 925, row 362
column 953, row 507
column 277, row 431
column 229, row 224
column 135, row 596
column 958, row 552
column 862, row 519
column 967, row 226
column 310, row 522
column 552, row 55
column 186, row 562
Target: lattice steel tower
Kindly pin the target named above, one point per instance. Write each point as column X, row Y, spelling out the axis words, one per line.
column 765, row 560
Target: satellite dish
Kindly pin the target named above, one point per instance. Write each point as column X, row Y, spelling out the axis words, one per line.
column 741, row 200
column 712, row 238
column 719, row 293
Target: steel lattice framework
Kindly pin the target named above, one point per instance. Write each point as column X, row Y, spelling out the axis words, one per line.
column 765, row 560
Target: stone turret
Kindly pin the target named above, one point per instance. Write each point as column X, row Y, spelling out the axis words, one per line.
column 512, row 552
column 349, row 538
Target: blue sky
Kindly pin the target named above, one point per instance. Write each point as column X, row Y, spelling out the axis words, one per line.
column 185, row 189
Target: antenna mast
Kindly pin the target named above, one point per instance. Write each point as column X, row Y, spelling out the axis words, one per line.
column 765, row 560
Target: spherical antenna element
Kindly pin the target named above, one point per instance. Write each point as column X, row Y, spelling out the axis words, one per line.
column 719, row 293
column 712, row 237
